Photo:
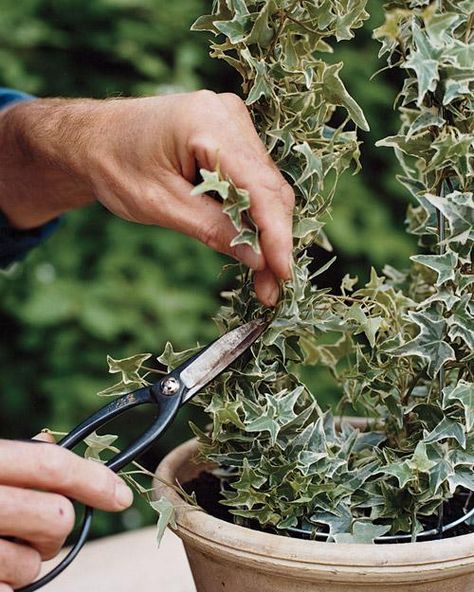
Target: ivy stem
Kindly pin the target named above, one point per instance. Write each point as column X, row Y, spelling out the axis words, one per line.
column 442, row 250
column 412, row 386
column 299, row 23
column 469, row 25
column 359, row 301
column 154, row 370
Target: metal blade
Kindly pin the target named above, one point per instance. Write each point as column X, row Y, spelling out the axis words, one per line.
column 219, row 355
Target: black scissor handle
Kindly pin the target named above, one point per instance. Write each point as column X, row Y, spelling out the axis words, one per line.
column 106, row 414
column 168, row 406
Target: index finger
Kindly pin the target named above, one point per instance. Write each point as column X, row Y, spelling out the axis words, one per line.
column 272, row 198
column 272, row 202
column 243, row 157
column 48, row 467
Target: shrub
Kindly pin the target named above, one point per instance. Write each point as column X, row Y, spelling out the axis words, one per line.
column 399, row 347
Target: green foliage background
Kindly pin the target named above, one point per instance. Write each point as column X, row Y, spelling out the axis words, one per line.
column 102, row 285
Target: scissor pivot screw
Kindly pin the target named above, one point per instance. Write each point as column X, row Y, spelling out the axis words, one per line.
column 170, row 386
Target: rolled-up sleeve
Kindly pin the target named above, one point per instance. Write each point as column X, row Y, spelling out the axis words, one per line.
column 14, row 243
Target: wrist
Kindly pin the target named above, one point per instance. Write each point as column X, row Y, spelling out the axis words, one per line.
column 41, row 143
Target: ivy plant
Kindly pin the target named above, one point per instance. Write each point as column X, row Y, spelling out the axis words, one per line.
column 401, row 346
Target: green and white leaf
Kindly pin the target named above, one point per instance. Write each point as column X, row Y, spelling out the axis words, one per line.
column 166, row 516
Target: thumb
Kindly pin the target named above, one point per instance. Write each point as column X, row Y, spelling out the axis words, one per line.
column 45, row 437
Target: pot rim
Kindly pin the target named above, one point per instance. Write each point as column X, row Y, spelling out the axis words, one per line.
column 204, row 531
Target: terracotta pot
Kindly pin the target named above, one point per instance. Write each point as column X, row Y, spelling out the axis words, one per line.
column 229, row 558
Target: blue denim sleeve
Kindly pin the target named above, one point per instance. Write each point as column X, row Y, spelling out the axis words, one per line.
column 14, row 243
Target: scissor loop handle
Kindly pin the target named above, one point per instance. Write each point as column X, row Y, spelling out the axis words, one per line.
column 104, row 415
column 168, row 406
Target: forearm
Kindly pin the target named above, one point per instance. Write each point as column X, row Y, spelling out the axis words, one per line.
column 40, row 144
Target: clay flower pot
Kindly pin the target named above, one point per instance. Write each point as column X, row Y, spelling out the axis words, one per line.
column 231, row 558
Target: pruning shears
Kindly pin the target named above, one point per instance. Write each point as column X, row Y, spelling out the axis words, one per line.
column 167, row 395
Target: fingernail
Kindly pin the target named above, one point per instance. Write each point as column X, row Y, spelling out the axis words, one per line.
column 123, row 494
column 45, row 437
column 291, row 263
column 273, row 295
column 248, row 256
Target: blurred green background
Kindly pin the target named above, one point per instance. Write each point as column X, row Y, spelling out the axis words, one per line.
column 102, row 285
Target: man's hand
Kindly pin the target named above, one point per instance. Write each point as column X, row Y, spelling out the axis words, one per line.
column 140, row 157
column 36, row 481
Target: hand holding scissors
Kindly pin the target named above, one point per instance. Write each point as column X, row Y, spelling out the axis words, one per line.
column 167, row 395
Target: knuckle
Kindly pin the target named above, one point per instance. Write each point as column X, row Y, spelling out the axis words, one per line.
column 152, row 207
column 277, row 185
column 53, row 466
column 211, row 236
column 64, row 518
column 31, row 565
column 234, row 101
column 202, row 143
column 205, row 93
column 19, row 564
column 204, row 98
column 103, row 484
column 287, row 195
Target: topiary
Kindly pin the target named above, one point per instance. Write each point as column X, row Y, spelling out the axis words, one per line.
column 400, row 347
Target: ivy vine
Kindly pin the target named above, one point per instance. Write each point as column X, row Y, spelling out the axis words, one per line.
column 401, row 346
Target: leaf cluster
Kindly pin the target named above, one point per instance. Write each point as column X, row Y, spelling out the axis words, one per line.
column 400, row 347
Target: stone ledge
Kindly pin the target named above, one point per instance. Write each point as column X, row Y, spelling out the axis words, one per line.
column 125, row 563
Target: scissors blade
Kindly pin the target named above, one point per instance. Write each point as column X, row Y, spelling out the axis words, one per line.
column 219, row 355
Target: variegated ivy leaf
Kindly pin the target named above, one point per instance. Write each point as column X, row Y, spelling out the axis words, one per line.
column 362, row 532
column 455, row 90
column 427, row 72
column 444, row 265
column 452, row 151
column 439, row 475
column 249, row 479
column 462, row 478
column 121, row 388
column 314, row 165
column 171, row 359
column 389, row 32
column 458, row 208
column 96, row 444
column 430, row 344
column 131, row 376
column 461, row 394
column 447, row 428
column 369, row 325
column 461, row 323
column 166, row 516
column 336, row 93
column 224, row 411
column 348, row 283
column 446, row 297
column 129, row 368
column 267, row 422
column 236, row 203
column 420, row 461
column 212, row 181
column 247, row 236
column 401, row 471
column 339, row 521
column 424, row 121
column 440, row 28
